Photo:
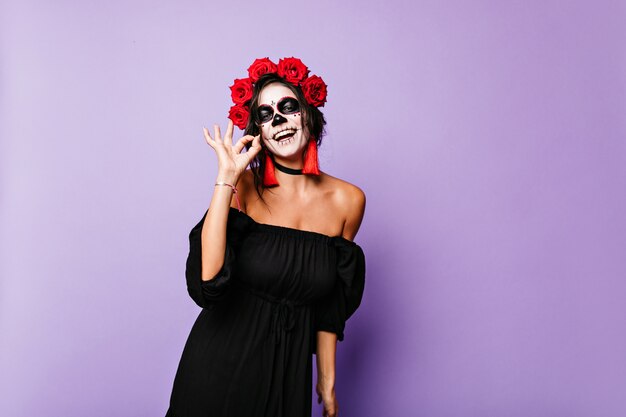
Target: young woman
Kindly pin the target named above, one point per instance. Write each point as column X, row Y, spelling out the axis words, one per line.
column 272, row 263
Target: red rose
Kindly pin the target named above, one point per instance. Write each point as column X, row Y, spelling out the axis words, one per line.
column 259, row 67
column 314, row 89
column 293, row 70
column 241, row 90
column 239, row 115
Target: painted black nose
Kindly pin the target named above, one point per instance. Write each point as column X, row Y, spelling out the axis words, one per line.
column 278, row 119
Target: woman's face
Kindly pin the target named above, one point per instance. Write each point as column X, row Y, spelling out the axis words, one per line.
column 280, row 121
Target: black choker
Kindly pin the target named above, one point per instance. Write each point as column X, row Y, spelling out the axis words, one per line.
column 287, row 170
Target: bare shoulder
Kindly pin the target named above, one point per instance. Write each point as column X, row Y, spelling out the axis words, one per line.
column 350, row 201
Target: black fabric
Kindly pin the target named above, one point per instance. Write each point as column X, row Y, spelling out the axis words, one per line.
column 250, row 350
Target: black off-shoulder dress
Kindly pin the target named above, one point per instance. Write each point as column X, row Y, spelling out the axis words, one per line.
column 250, row 350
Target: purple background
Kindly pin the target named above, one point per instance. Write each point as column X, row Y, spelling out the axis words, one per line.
column 489, row 137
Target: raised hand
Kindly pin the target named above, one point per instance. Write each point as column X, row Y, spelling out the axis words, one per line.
column 230, row 161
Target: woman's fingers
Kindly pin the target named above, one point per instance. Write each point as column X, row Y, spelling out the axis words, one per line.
column 256, row 143
column 255, row 148
column 208, row 139
column 243, row 141
column 217, row 144
column 228, row 139
column 218, row 136
column 227, row 153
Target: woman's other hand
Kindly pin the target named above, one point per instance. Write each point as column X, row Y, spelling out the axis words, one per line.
column 331, row 407
column 230, row 161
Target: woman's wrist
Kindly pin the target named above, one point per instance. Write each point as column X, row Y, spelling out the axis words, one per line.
column 325, row 386
column 227, row 175
column 224, row 185
column 228, row 179
column 326, row 375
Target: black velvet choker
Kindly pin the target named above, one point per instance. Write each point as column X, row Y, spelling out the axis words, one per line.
column 287, row 170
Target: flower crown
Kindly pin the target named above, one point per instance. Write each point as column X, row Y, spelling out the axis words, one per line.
column 291, row 69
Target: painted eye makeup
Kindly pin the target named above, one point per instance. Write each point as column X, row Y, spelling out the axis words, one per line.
column 285, row 106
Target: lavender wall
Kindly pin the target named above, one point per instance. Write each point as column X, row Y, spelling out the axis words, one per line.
column 489, row 137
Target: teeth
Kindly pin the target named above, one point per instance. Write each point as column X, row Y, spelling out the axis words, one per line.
column 283, row 133
column 286, row 141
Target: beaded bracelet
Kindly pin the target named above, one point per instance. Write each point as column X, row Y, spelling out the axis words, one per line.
column 234, row 190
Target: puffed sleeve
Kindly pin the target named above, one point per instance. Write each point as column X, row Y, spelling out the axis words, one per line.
column 205, row 293
column 333, row 310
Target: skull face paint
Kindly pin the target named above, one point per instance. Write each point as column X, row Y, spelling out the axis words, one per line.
column 285, row 106
column 280, row 120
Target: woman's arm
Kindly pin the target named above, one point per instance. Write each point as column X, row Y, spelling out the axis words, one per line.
column 214, row 230
column 231, row 164
column 325, row 357
column 354, row 199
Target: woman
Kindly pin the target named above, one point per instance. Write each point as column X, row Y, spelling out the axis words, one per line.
column 272, row 262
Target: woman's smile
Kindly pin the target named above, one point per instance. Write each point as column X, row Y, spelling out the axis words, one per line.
column 288, row 132
column 284, row 142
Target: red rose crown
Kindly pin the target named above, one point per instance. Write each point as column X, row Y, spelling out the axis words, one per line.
column 291, row 69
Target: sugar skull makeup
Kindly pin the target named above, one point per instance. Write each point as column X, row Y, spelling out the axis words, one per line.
column 286, row 106
column 280, row 120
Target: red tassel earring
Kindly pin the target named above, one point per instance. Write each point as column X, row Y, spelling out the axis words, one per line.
column 311, row 163
column 269, row 177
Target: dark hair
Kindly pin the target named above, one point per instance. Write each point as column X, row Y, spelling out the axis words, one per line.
column 312, row 118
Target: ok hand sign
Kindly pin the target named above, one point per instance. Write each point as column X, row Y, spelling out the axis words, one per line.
column 230, row 161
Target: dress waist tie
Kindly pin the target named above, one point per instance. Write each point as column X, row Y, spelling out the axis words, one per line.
column 283, row 311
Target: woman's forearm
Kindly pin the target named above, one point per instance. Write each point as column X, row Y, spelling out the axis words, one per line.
column 214, row 231
column 326, row 353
